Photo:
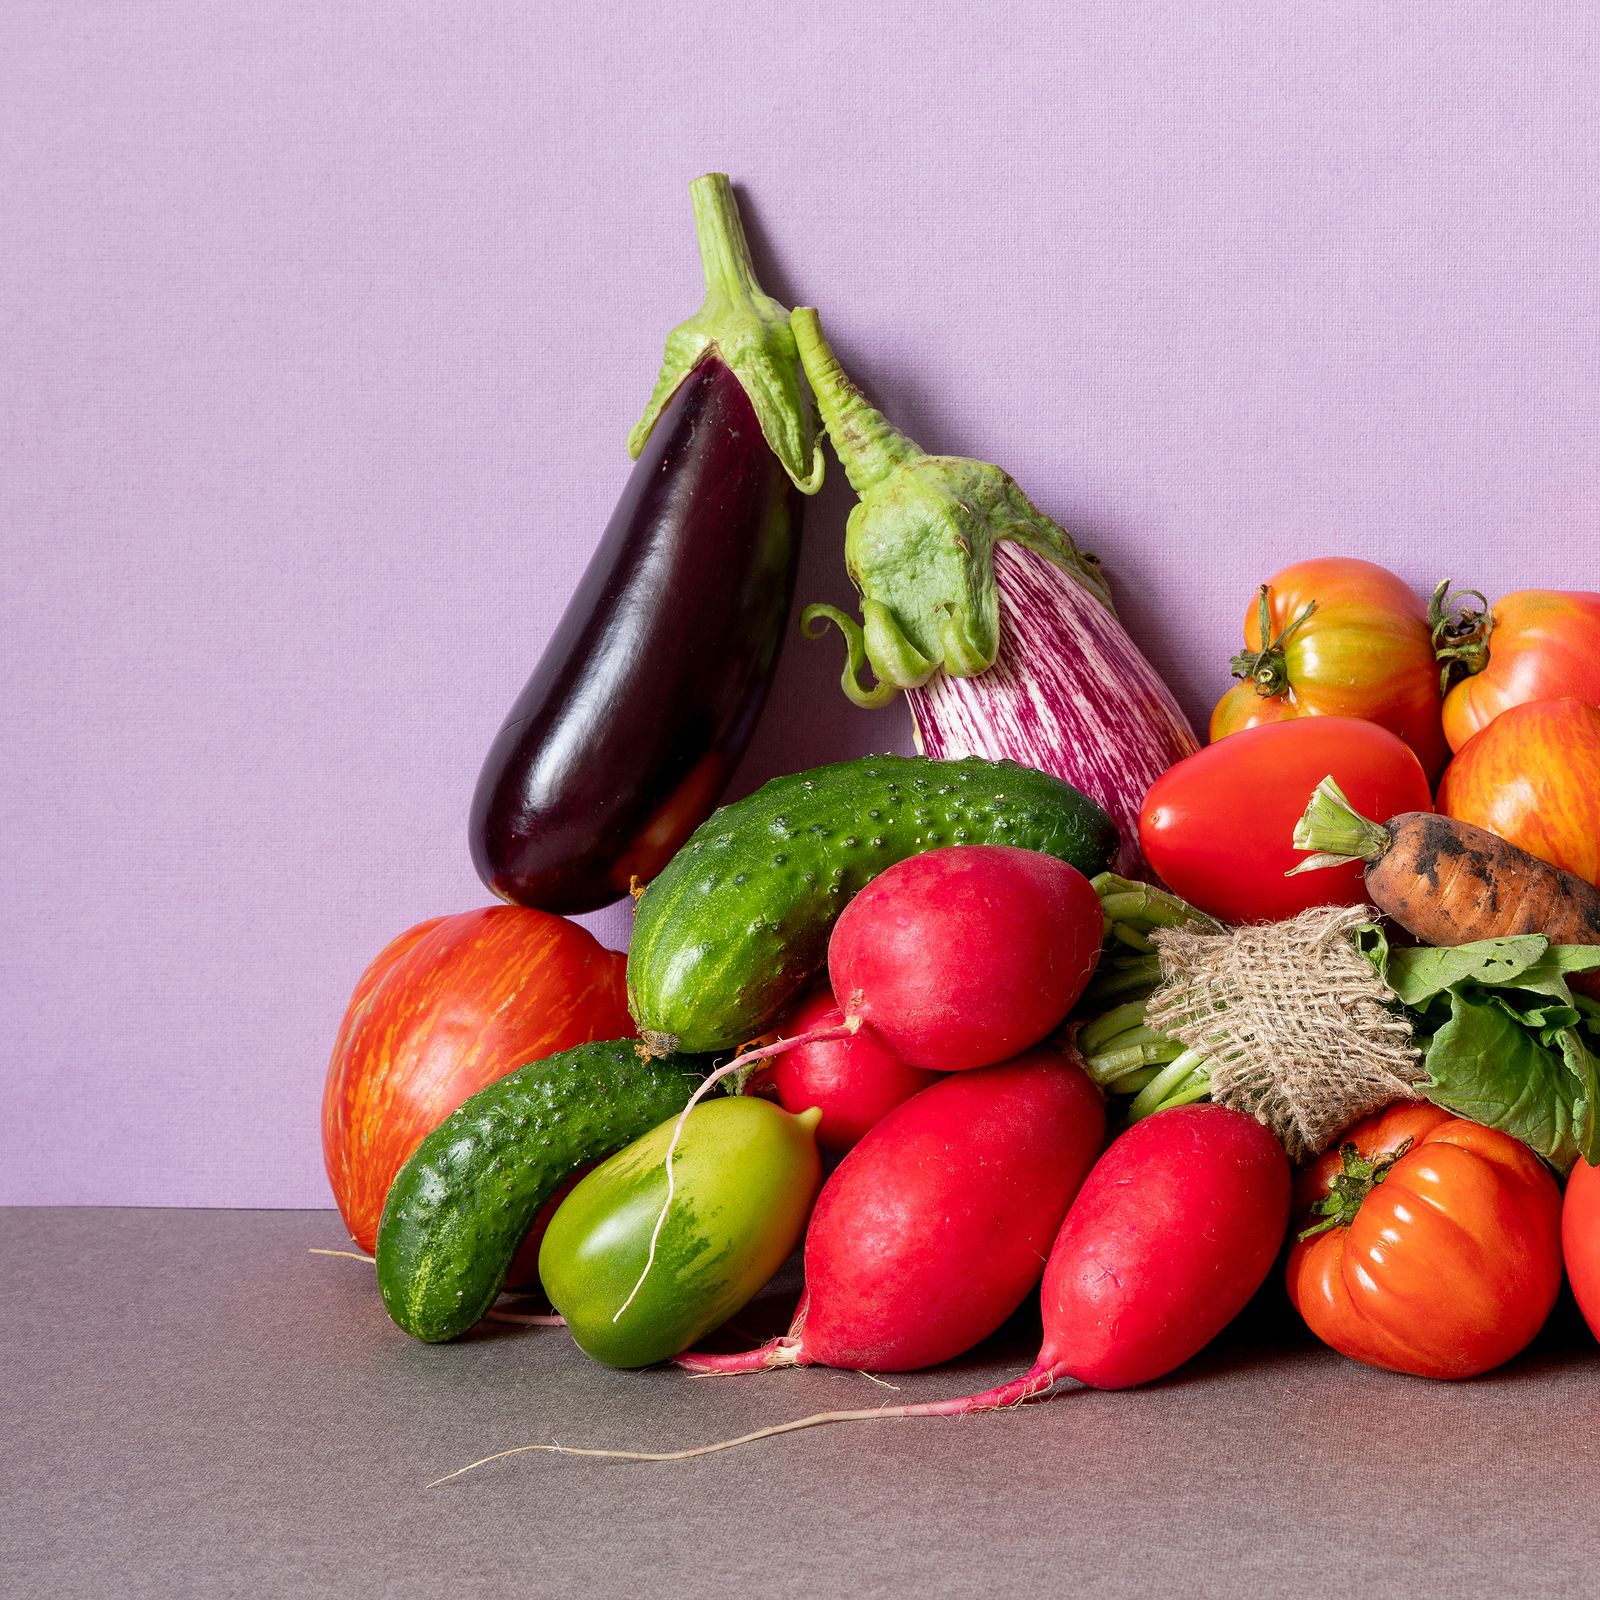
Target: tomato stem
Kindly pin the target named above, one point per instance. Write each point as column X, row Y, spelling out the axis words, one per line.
column 1268, row 666
column 1358, row 1177
column 1460, row 623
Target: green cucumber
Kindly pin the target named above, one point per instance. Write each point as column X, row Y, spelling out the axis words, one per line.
column 737, row 923
column 461, row 1206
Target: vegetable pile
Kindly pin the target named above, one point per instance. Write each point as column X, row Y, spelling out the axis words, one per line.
column 1066, row 1007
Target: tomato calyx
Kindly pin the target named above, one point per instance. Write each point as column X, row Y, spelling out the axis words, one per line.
column 1459, row 623
column 1267, row 666
column 1359, row 1176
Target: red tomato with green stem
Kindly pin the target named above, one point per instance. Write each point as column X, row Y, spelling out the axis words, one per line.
column 1219, row 826
column 1338, row 637
column 1536, row 644
column 1580, row 1240
column 1533, row 777
column 1427, row 1244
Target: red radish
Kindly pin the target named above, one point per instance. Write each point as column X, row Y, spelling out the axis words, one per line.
column 933, row 1229
column 961, row 957
column 851, row 1078
column 1172, row 1232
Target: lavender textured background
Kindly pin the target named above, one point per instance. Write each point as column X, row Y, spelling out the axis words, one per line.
column 323, row 325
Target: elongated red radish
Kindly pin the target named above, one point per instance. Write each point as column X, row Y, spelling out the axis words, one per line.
column 931, row 1232
column 1172, row 1232
column 852, row 1079
column 961, row 957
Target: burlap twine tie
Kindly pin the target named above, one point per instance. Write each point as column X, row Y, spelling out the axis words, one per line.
column 1295, row 1022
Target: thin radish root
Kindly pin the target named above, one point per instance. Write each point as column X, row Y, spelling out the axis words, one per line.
column 781, row 1352
column 526, row 1319
column 1035, row 1385
column 739, row 1062
column 352, row 1255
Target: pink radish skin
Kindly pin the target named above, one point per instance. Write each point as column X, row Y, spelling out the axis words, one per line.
column 1172, row 1233
column 934, row 1228
column 852, row 1079
column 964, row 956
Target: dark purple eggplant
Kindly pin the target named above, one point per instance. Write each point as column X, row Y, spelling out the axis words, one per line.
column 624, row 738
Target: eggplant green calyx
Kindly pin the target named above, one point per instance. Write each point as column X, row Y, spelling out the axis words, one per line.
column 1460, row 622
column 919, row 545
column 1336, row 831
column 1358, row 1176
column 1268, row 667
column 749, row 332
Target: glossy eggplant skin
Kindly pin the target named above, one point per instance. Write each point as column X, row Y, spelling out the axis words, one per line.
column 622, row 741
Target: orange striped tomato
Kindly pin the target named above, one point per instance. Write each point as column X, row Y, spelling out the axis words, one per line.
column 1533, row 777
column 1338, row 637
column 1536, row 644
column 445, row 1009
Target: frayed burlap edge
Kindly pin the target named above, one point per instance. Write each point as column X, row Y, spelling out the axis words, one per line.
column 1294, row 1021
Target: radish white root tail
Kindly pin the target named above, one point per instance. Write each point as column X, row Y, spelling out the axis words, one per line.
column 1035, row 1385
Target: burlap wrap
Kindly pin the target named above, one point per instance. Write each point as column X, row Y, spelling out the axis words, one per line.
column 1294, row 1020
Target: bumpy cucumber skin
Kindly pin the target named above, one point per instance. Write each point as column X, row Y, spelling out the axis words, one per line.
column 461, row 1206
column 738, row 921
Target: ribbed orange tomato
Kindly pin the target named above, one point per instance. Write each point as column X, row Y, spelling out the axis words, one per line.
column 1533, row 777
column 1442, row 1250
column 1536, row 644
column 445, row 1009
column 1338, row 637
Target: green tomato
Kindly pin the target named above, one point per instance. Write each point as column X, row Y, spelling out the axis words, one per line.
column 745, row 1175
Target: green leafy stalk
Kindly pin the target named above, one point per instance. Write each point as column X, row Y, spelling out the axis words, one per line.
column 919, row 545
column 1182, row 1081
column 749, row 331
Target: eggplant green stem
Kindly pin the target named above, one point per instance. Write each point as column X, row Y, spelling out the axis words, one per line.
column 1338, row 832
column 919, row 547
column 724, row 249
column 868, row 445
column 749, row 332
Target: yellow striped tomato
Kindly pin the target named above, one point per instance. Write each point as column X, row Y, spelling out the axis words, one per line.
column 1338, row 637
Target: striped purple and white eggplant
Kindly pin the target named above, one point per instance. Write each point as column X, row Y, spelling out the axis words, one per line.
column 986, row 613
column 1068, row 692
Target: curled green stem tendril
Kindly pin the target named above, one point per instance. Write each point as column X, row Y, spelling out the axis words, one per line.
column 1459, row 623
column 814, row 622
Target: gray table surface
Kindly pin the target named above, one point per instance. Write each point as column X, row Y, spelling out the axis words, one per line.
column 193, row 1404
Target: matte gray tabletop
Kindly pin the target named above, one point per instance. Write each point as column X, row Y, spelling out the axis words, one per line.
column 195, row 1405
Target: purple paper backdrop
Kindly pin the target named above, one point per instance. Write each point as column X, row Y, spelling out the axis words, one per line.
column 323, row 327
